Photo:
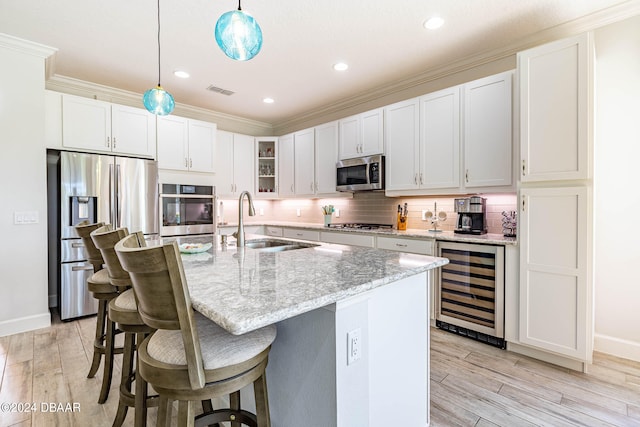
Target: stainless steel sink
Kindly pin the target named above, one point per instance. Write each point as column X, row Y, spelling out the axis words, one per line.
column 272, row 245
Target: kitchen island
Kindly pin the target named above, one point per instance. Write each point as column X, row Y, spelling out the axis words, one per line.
column 352, row 346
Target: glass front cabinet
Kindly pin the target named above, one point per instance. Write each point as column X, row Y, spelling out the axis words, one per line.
column 267, row 167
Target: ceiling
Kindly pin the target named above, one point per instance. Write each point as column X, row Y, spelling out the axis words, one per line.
column 114, row 43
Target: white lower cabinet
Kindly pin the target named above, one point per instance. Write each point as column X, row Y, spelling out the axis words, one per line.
column 422, row 247
column 556, row 295
column 273, row 231
column 297, row 233
column 352, row 239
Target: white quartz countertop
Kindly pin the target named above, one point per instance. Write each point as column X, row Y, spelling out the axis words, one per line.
column 493, row 239
column 245, row 289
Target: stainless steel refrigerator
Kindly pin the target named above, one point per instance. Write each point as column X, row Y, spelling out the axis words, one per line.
column 120, row 191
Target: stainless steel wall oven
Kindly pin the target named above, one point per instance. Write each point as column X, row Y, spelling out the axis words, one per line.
column 187, row 209
column 469, row 292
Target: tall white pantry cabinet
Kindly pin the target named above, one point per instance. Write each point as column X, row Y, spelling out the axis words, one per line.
column 556, row 142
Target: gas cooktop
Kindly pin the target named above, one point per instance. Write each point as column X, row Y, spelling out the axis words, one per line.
column 362, row 226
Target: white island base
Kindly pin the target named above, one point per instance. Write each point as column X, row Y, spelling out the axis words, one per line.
column 311, row 384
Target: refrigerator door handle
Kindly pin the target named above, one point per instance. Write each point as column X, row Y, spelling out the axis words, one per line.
column 82, row 268
column 117, row 198
column 111, row 193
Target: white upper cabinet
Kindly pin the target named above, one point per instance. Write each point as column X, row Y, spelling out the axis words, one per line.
column 202, row 138
column 488, row 154
column 186, row 144
column 440, row 139
column 304, row 164
column 92, row 125
column 173, row 143
column 326, row 150
column 402, row 133
column 362, row 134
column 234, row 166
column 453, row 140
column 286, row 161
column 556, row 82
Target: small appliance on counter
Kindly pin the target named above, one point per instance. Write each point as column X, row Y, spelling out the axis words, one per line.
column 472, row 214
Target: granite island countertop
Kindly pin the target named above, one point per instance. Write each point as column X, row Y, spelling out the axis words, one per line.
column 243, row 289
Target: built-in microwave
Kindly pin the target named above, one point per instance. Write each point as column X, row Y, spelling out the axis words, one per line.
column 187, row 209
column 360, row 174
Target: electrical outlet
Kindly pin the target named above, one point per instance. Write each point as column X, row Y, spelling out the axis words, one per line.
column 424, row 214
column 261, row 211
column 298, row 212
column 337, row 212
column 354, row 346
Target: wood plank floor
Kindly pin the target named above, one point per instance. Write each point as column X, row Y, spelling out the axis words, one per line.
column 472, row 384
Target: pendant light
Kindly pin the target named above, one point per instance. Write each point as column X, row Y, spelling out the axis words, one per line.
column 157, row 100
column 238, row 35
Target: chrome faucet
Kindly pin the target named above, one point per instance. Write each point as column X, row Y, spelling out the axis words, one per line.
column 239, row 235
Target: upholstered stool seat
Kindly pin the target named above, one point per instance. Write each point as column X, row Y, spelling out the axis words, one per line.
column 101, row 288
column 190, row 358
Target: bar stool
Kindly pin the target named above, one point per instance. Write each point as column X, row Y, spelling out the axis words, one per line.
column 102, row 290
column 123, row 311
column 189, row 357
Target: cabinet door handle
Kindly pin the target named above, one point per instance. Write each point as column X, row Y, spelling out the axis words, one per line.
column 83, row 268
column 523, row 167
column 421, row 179
column 190, row 163
column 292, row 188
column 108, row 142
column 311, row 186
column 523, row 204
column 299, row 234
column 400, row 245
column 186, row 163
column 77, row 245
column 114, row 142
column 415, row 178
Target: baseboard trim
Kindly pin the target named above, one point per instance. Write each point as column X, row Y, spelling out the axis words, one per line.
column 617, row 347
column 25, row 324
column 555, row 359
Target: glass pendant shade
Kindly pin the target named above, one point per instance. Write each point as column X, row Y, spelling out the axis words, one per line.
column 238, row 35
column 158, row 101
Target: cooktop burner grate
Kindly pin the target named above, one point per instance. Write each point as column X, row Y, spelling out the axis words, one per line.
column 362, row 226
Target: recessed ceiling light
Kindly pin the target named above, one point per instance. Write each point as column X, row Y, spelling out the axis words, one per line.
column 268, row 101
column 181, row 74
column 340, row 66
column 433, row 23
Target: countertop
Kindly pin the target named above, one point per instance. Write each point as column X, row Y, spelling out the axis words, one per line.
column 243, row 289
column 494, row 239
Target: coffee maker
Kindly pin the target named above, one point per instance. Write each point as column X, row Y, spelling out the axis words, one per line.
column 471, row 215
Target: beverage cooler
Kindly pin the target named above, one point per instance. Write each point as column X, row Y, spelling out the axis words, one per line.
column 469, row 291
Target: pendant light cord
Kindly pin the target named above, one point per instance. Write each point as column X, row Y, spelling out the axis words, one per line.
column 239, row 7
column 158, row 42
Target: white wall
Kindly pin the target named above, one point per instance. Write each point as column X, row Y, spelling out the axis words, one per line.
column 23, row 250
column 617, row 189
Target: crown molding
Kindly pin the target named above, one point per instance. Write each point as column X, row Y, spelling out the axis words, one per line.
column 26, row 46
column 379, row 97
column 100, row 92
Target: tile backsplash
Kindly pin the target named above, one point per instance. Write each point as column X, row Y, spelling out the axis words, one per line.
column 369, row 207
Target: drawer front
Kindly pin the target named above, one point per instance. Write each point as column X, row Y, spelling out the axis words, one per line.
column 273, row 231
column 348, row 239
column 423, row 247
column 296, row 233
